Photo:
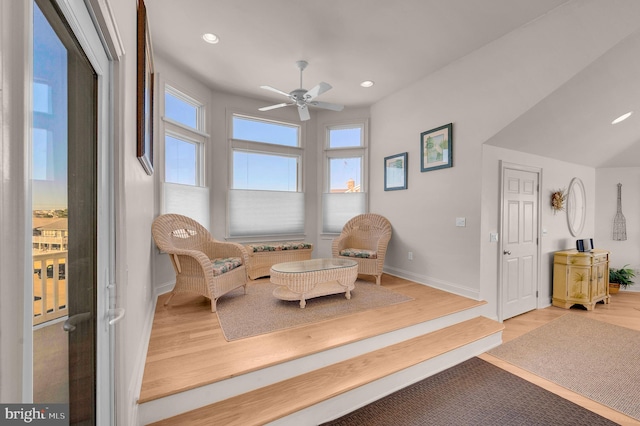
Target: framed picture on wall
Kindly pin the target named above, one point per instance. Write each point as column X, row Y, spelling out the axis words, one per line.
column 436, row 148
column 395, row 172
column 144, row 119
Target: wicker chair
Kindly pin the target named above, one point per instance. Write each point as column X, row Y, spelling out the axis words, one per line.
column 203, row 265
column 364, row 239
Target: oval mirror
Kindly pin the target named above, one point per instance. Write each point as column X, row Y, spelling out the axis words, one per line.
column 576, row 206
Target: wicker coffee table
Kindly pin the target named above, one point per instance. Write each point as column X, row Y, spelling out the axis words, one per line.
column 306, row 279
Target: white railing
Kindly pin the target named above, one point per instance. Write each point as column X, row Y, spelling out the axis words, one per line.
column 41, row 242
column 49, row 286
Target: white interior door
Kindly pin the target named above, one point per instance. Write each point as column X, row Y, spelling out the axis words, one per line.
column 519, row 249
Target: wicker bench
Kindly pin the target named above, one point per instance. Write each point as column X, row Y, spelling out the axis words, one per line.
column 264, row 255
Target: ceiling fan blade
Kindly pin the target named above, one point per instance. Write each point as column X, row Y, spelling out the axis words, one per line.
column 317, row 91
column 326, row 105
column 273, row 89
column 267, row 108
column 304, row 112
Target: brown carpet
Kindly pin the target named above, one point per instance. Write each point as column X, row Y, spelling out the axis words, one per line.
column 472, row 393
column 258, row 312
column 592, row 358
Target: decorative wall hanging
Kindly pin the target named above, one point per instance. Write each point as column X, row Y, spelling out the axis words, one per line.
column 395, row 172
column 144, row 119
column 576, row 206
column 557, row 200
column 619, row 222
column 436, row 148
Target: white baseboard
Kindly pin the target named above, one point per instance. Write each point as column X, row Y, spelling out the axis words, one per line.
column 454, row 288
column 163, row 288
column 135, row 384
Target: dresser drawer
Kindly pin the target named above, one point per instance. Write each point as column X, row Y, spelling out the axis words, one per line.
column 599, row 258
column 578, row 260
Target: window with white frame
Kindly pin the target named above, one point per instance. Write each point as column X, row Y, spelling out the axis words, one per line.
column 266, row 198
column 184, row 190
column 184, row 139
column 345, row 173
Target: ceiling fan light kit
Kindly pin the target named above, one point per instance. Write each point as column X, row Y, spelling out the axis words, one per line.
column 303, row 98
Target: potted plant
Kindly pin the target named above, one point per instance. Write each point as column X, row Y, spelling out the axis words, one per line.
column 620, row 277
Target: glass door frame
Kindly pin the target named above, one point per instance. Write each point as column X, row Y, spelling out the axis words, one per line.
column 84, row 29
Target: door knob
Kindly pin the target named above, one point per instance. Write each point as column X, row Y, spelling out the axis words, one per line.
column 507, row 252
column 73, row 320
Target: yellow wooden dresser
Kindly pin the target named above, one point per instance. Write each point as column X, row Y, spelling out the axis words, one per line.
column 580, row 278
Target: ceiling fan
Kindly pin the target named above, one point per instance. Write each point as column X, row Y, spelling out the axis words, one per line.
column 303, row 98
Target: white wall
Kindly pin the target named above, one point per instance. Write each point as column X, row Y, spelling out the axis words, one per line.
column 480, row 94
column 622, row 252
column 135, row 201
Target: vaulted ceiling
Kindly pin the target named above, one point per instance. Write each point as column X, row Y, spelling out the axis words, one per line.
column 396, row 44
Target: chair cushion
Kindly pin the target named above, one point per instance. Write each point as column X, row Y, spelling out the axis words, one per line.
column 220, row 266
column 361, row 253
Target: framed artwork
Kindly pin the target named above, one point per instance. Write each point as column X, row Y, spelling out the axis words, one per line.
column 436, row 148
column 144, row 111
column 395, row 172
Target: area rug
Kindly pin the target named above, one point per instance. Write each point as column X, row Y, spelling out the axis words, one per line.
column 472, row 393
column 258, row 312
column 595, row 359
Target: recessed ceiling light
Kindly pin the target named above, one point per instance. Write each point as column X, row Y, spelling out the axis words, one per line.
column 622, row 117
column 210, row 38
column 367, row 83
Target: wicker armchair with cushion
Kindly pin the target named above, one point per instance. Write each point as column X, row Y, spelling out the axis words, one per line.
column 364, row 239
column 203, row 265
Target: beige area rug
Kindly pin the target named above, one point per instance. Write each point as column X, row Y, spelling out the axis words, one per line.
column 592, row 358
column 258, row 312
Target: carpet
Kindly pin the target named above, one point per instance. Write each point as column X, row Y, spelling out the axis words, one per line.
column 592, row 358
column 476, row 393
column 258, row 312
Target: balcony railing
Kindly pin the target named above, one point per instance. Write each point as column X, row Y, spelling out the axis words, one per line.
column 49, row 286
column 43, row 242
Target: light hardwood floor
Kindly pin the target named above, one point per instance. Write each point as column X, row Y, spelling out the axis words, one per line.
column 624, row 310
column 187, row 348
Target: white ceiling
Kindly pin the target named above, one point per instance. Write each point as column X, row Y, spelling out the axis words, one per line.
column 394, row 43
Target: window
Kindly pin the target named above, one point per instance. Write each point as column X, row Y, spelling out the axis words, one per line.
column 345, row 170
column 184, row 190
column 184, row 139
column 183, row 110
column 181, row 160
column 266, row 197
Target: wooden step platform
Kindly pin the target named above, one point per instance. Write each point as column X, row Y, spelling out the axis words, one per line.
column 190, row 365
column 281, row 399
